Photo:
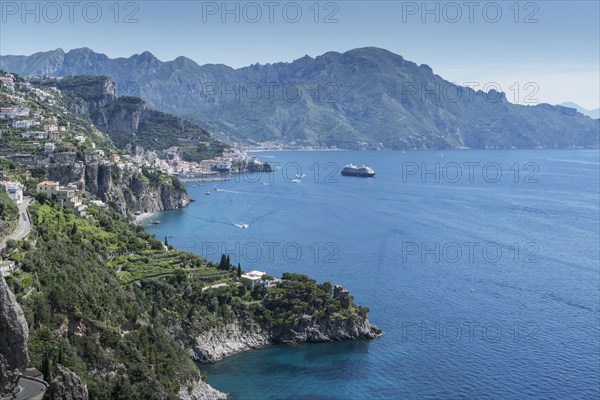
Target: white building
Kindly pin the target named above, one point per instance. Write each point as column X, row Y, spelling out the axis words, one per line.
column 14, row 190
column 25, row 123
column 254, row 277
column 50, row 188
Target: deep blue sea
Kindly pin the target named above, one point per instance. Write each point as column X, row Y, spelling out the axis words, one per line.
column 481, row 267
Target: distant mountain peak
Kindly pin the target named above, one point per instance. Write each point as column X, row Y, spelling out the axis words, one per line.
column 595, row 114
column 146, row 56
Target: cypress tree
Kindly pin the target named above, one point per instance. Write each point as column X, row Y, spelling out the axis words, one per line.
column 223, row 263
column 239, row 271
column 166, row 242
column 61, row 356
column 228, row 260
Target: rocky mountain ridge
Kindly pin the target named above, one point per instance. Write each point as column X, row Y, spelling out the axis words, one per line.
column 362, row 98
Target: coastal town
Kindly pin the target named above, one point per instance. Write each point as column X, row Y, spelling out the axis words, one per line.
column 38, row 131
column 44, row 142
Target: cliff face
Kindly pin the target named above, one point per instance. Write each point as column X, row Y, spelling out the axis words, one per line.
column 130, row 190
column 13, row 340
column 229, row 339
column 124, row 190
column 67, row 386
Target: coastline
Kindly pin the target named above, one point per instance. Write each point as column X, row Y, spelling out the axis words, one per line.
column 139, row 219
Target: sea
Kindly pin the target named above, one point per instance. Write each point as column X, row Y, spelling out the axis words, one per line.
column 481, row 268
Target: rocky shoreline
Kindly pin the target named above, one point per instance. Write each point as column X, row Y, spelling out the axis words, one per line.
column 229, row 339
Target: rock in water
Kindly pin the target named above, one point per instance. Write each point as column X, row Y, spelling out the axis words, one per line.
column 13, row 340
column 67, row 386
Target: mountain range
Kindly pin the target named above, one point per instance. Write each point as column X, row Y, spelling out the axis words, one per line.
column 363, row 98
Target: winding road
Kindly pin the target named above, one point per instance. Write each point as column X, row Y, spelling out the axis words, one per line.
column 29, row 390
column 24, row 223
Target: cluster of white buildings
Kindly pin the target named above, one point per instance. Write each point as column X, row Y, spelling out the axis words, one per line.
column 172, row 164
column 7, row 82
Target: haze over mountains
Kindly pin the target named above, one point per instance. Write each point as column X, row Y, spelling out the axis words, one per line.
column 590, row 113
column 363, row 98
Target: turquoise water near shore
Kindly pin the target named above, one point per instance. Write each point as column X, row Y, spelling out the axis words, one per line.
column 481, row 267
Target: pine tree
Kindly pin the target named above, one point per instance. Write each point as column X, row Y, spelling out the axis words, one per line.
column 239, row 271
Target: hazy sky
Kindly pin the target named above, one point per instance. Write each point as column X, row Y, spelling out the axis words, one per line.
column 535, row 50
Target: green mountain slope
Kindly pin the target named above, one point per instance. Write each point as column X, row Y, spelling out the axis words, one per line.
column 363, row 98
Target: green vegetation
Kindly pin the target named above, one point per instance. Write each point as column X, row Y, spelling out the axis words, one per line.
column 109, row 326
column 8, row 209
column 300, row 295
column 114, row 304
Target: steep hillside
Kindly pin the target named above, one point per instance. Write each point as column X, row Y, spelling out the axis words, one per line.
column 127, row 119
column 129, row 316
column 55, row 138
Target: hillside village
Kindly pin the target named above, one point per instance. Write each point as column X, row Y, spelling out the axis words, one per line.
column 39, row 133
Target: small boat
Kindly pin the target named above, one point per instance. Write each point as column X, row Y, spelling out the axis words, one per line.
column 207, row 193
column 353, row 170
column 155, row 222
column 192, row 200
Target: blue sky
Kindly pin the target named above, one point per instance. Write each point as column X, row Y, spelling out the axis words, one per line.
column 547, row 51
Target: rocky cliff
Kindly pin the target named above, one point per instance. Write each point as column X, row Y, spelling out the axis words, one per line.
column 232, row 338
column 14, row 334
column 129, row 190
column 124, row 189
column 66, row 385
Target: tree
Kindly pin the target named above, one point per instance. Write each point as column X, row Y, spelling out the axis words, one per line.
column 41, row 198
column 166, row 241
column 228, row 261
column 47, row 367
column 239, row 270
column 61, row 356
column 12, row 244
column 223, row 263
